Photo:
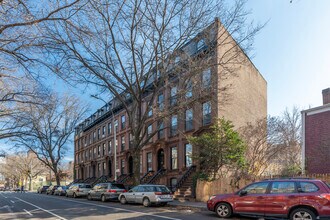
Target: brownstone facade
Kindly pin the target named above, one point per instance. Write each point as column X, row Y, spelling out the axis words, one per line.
column 169, row 149
column 316, row 139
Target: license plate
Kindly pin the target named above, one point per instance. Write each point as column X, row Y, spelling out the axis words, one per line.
column 165, row 196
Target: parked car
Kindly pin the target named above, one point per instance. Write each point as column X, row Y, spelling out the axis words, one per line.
column 51, row 189
column 106, row 191
column 78, row 190
column 60, row 191
column 303, row 199
column 42, row 189
column 147, row 195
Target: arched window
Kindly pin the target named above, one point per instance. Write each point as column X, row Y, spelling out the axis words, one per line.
column 200, row 44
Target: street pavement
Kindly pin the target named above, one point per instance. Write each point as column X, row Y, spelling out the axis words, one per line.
column 30, row 205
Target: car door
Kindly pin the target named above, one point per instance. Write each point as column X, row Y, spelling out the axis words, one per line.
column 130, row 196
column 281, row 197
column 103, row 188
column 142, row 190
column 252, row 201
column 93, row 192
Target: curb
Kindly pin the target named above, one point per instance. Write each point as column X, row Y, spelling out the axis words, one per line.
column 183, row 206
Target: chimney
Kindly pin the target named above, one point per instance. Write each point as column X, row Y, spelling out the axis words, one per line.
column 326, row 96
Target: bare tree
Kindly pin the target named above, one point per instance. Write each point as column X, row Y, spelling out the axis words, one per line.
column 46, row 129
column 129, row 49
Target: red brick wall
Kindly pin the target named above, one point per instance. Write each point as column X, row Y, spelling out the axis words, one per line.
column 317, row 143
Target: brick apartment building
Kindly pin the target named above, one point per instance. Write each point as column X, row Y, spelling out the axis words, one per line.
column 316, row 137
column 169, row 149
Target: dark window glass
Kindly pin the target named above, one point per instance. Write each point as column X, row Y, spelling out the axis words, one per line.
column 174, row 158
column 257, row 188
column 174, row 125
column 189, row 119
column 206, row 113
column 283, row 187
column 307, row 187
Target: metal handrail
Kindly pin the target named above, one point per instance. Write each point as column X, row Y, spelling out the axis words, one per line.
column 159, row 173
column 184, row 177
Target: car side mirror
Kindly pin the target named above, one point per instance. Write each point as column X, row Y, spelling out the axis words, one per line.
column 130, row 191
column 300, row 190
column 243, row 193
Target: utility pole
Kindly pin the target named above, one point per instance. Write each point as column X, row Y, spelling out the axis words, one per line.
column 115, row 141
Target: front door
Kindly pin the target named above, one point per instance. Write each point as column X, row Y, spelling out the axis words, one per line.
column 110, row 168
column 160, row 159
column 82, row 173
column 94, row 170
column 130, row 165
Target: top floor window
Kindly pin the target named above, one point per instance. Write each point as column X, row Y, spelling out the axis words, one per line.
column 206, row 113
column 206, row 78
column 173, row 97
column 109, row 128
column 116, row 125
column 160, row 101
column 200, row 44
column 123, row 122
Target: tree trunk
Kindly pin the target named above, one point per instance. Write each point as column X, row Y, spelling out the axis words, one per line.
column 30, row 183
column 136, row 167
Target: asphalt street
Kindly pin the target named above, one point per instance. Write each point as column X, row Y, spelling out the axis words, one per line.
column 14, row 206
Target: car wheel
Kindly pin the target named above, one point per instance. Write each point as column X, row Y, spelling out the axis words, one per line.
column 302, row 214
column 146, row 202
column 89, row 197
column 123, row 200
column 103, row 199
column 223, row 210
column 74, row 195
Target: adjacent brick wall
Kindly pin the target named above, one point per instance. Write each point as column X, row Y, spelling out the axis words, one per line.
column 317, row 142
column 326, row 96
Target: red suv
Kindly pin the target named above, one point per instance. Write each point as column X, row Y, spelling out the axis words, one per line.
column 297, row 199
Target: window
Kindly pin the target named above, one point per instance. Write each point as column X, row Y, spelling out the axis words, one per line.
column 94, row 152
column 94, row 136
column 206, row 78
column 150, row 112
column 206, row 113
column 149, row 162
column 90, row 153
column 189, row 119
column 188, row 157
column 307, row 187
column 116, row 125
column 90, row 138
column 109, row 128
column 103, row 131
column 160, row 101
column 177, row 59
column 98, row 133
column 257, row 188
column 85, row 141
column 123, row 122
column 189, row 89
column 122, row 143
column 173, row 96
column 282, row 187
column 104, row 167
column 200, row 44
column 86, row 155
column 99, row 168
column 160, row 129
column 174, row 125
column 103, row 150
column 109, row 147
column 174, row 158
column 130, row 140
column 122, row 167
column 98, row 150
column 149, row 130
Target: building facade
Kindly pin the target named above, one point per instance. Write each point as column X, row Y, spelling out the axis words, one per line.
column 316, row 137
column 239, row 95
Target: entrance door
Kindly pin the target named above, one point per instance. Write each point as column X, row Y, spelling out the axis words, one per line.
column 160, row 159
column 130, row 165
column 110, row 168
column 82, row 173
column 94, row 170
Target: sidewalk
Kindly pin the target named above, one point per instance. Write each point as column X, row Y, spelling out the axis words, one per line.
column 188, row 204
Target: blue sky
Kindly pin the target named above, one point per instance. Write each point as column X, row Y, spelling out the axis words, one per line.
column 292, row 51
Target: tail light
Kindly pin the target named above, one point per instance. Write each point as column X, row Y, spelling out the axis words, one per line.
column 158, row 193
column 125, row 190
column 325, row 196
column 111, row 191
